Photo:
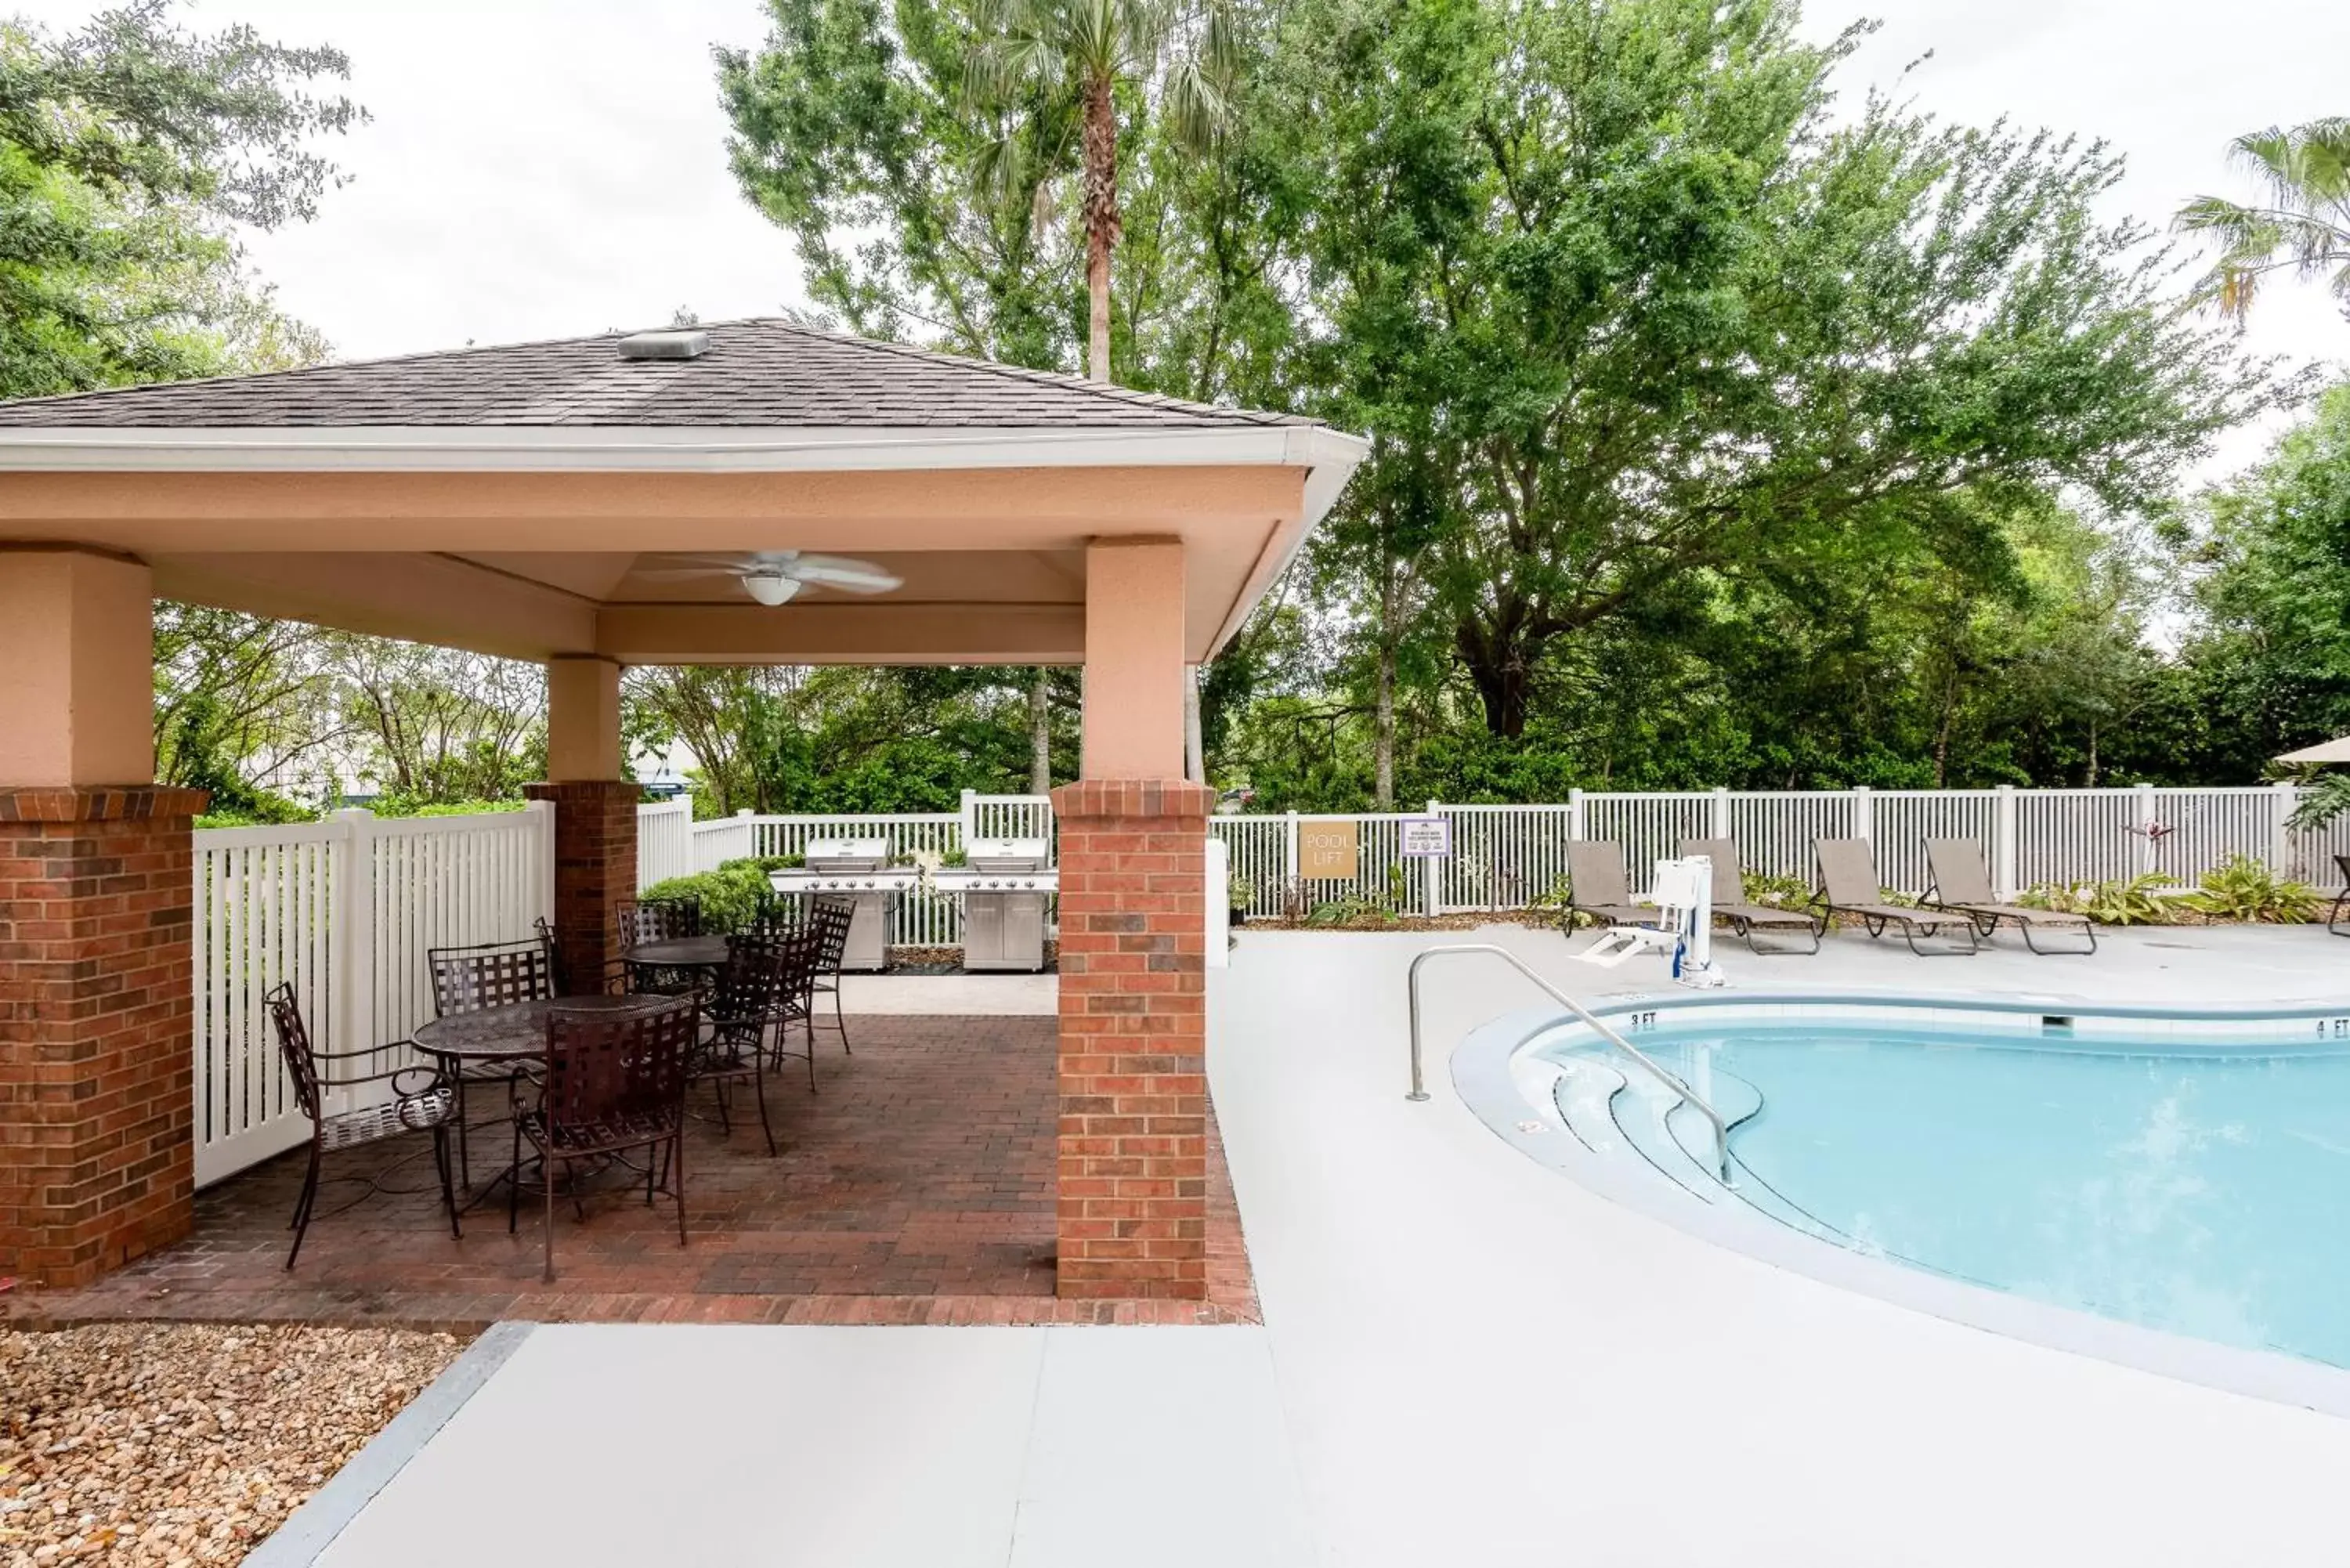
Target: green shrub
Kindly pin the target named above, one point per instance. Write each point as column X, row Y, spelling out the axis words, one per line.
column 1239, row 892
column 407, row 806
column 731, row 897
column 2243, row 888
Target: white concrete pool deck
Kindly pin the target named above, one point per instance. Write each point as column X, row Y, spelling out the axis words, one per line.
column 1466, row 1359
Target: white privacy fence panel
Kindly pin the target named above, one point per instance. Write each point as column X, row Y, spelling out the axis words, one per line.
column 1901, row 820
column 446, row 882
column 2206, row 827
column 1650, row 827
column 1008, row 816
column 1261, row 849
column 2078, row 836
column 262, row 902
column 664, row 840
column 1503, row 857
column 343, row 910
column 1775, row 832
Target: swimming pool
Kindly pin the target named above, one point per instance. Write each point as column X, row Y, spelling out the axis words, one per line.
column 2180, row 1173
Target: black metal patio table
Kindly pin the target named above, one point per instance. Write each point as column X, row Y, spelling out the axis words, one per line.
column 513, row 1033
column 698, row 958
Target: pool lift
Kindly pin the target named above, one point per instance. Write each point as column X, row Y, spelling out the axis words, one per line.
column 1683, row 928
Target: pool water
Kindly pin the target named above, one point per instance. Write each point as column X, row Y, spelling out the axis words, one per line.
column 2201, row 1189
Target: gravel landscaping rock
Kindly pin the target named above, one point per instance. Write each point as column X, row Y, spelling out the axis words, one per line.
column 172, row 1443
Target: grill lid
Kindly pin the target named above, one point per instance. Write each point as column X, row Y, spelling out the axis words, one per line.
column 1004, row 854
column 847, row 854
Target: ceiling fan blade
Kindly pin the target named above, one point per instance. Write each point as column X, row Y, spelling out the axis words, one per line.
column 841, row 572
column 674, row 574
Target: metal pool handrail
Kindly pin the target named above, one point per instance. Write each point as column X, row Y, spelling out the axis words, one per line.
column 1670, row 1080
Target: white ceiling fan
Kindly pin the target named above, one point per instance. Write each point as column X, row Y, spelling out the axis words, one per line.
column 774, row 577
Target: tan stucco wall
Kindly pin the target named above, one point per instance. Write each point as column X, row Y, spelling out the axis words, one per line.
column 76, row 682
column 1134, row 660
column 583, row 719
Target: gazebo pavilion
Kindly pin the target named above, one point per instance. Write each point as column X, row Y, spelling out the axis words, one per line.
column 513, row 500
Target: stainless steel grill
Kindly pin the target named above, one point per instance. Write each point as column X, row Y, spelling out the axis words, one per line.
column 859, row 870
column 1005, row 884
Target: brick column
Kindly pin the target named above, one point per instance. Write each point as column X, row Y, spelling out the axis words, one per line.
column 96, row 1016
column 1133, row 1073
column 595, row 868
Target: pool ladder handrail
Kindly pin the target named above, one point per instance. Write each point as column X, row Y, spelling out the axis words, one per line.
column 1670, row 1079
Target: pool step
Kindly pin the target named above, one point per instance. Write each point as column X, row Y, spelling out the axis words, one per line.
column 1585, row 1087
column 1641, row 1108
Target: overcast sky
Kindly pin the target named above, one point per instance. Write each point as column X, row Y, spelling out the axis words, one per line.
column 542, row 168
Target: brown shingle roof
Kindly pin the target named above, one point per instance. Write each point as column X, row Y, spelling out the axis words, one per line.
column 754, row 373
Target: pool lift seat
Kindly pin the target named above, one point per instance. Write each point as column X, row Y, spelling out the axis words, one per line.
column 1682, row 931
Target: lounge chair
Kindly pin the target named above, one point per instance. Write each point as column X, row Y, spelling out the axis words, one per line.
column 1962, row 883
column 2334, row 921
column 1849, row 886
column 1596, row 885
column 1745, row 919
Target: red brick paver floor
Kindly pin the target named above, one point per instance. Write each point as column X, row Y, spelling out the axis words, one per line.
column 917, row 1187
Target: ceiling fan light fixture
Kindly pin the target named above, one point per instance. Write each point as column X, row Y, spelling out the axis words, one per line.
column 770, row 587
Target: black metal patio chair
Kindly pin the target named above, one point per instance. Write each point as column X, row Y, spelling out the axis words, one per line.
column 615, row 1087
column 636, row 922
column 422, row 1100
column 832, row 917
column 800, row 950
column 2333, row 920
column 484, row 975
column 742, row 1006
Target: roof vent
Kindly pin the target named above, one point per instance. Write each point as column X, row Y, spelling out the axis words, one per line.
column 679, row 343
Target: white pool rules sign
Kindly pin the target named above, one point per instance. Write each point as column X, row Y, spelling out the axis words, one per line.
column 1427, row 837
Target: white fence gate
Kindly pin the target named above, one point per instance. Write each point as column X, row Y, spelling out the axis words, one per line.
column 343, row 910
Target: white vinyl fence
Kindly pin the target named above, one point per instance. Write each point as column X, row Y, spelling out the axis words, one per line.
column 1505, row 856
column 343, row 910
column 921, row 920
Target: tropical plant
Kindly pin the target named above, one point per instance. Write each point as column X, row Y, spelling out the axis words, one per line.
column 2322, row 800
column 1351, row 911
column 2129, row 902
column 2243, row 888
column 2299, row 222
column 1779, row 892
column 1034, row 58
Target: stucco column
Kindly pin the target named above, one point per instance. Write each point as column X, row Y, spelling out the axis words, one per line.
column 1134, row 660
column 595, row 811
column 1132, row 1203
column 97, row 992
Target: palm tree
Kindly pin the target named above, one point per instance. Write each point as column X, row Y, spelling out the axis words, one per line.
column 1180, row 55
column 2302, row 223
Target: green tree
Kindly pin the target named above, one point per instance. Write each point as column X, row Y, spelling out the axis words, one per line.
column 1669, row 322
column 439, row 725
column 129, row 149
column 2269, row 655
column 2300, row 223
